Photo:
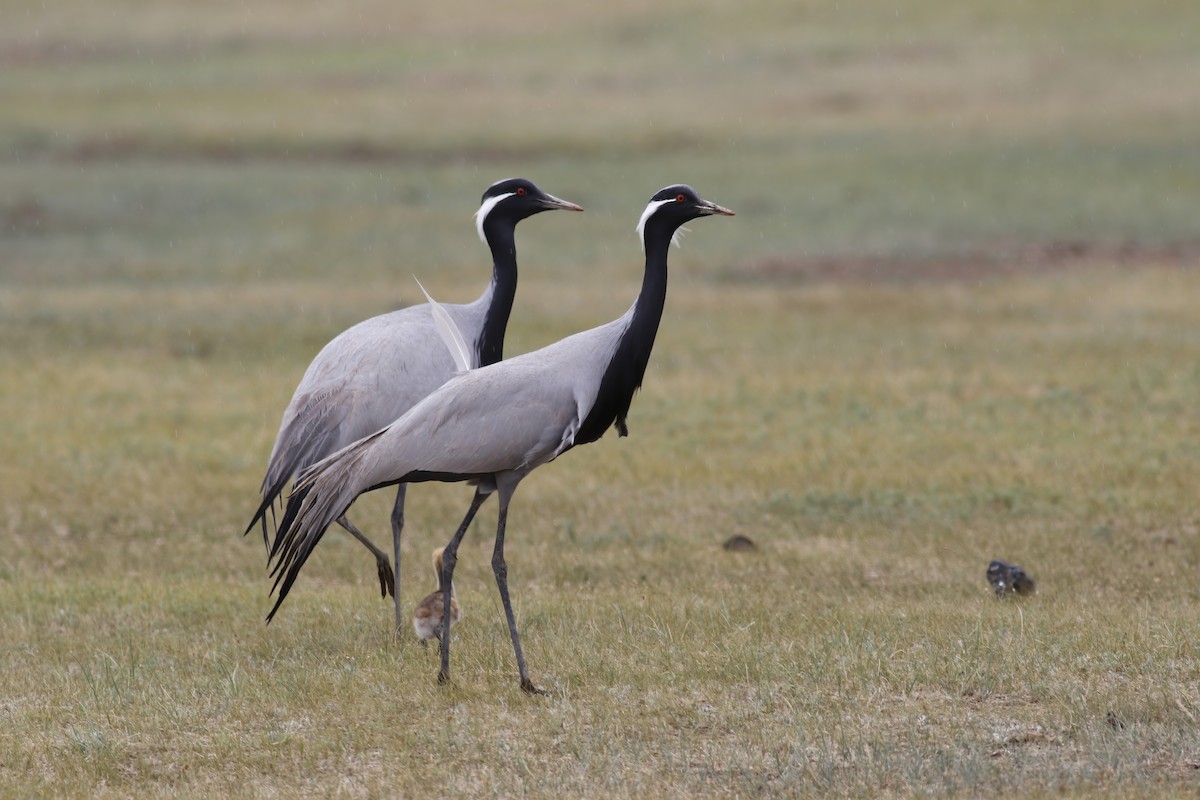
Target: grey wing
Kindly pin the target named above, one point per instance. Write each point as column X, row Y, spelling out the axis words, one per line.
column 365, row 378
column 486, row 421
column 510, row 416
column 313, row 422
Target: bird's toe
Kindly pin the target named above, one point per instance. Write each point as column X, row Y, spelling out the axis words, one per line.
column 387, row 580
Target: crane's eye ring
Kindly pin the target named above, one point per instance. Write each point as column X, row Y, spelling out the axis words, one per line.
column 679, row 198
column 520, row 191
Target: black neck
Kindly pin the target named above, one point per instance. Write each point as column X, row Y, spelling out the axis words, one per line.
column 500, row 235
column 624, row 373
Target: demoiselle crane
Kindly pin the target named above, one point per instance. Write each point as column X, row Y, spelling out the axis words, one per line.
column 494, row 425
column 373, row 372
column 427, row 617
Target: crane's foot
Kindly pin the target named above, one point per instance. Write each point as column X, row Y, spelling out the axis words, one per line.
column 528, row 688
column 443, row 678
column 387, row 579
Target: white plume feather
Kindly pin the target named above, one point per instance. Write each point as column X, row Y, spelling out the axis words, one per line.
column 646, row 215
column 484, row 210
column 451, row 335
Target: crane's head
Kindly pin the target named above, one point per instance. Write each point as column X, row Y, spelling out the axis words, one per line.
column 513, row 200
column 671, row 207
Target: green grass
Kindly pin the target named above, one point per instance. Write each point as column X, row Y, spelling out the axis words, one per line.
column 193, row 201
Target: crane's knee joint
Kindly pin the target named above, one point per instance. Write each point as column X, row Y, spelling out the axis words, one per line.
column 500, row 568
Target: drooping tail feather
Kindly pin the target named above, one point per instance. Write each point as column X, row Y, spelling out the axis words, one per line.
column 321, row 494
column 305, row 438
column 272, row 495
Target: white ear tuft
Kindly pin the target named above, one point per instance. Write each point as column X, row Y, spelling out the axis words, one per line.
column 649, row 212
column 486, row 209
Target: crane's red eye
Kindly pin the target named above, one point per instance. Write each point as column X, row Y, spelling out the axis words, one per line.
column 520, row 191
column 679, row 198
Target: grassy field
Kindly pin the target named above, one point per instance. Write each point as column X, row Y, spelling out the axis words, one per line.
column 955, row 319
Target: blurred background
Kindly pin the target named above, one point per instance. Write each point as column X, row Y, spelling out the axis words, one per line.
column 291, row 141
column 954, row 319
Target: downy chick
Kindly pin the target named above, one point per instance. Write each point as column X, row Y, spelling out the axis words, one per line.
column 427, row 619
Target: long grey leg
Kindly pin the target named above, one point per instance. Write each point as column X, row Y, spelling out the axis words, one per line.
column 501, row 570
column 397, row 529
column 449, row 559
column 386, row 579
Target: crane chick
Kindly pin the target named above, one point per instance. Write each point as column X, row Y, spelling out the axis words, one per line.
column 427, row 619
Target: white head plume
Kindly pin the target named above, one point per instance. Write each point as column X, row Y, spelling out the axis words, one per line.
column 647, row 214
column 485, row 209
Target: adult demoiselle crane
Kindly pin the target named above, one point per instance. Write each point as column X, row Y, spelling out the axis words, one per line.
column 372, row 373
column 494, row 425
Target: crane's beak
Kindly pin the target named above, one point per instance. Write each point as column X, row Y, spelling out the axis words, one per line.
column 708, row 208
column 551, row 202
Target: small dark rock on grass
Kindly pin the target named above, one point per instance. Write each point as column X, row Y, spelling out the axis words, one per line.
column 1005, row 578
